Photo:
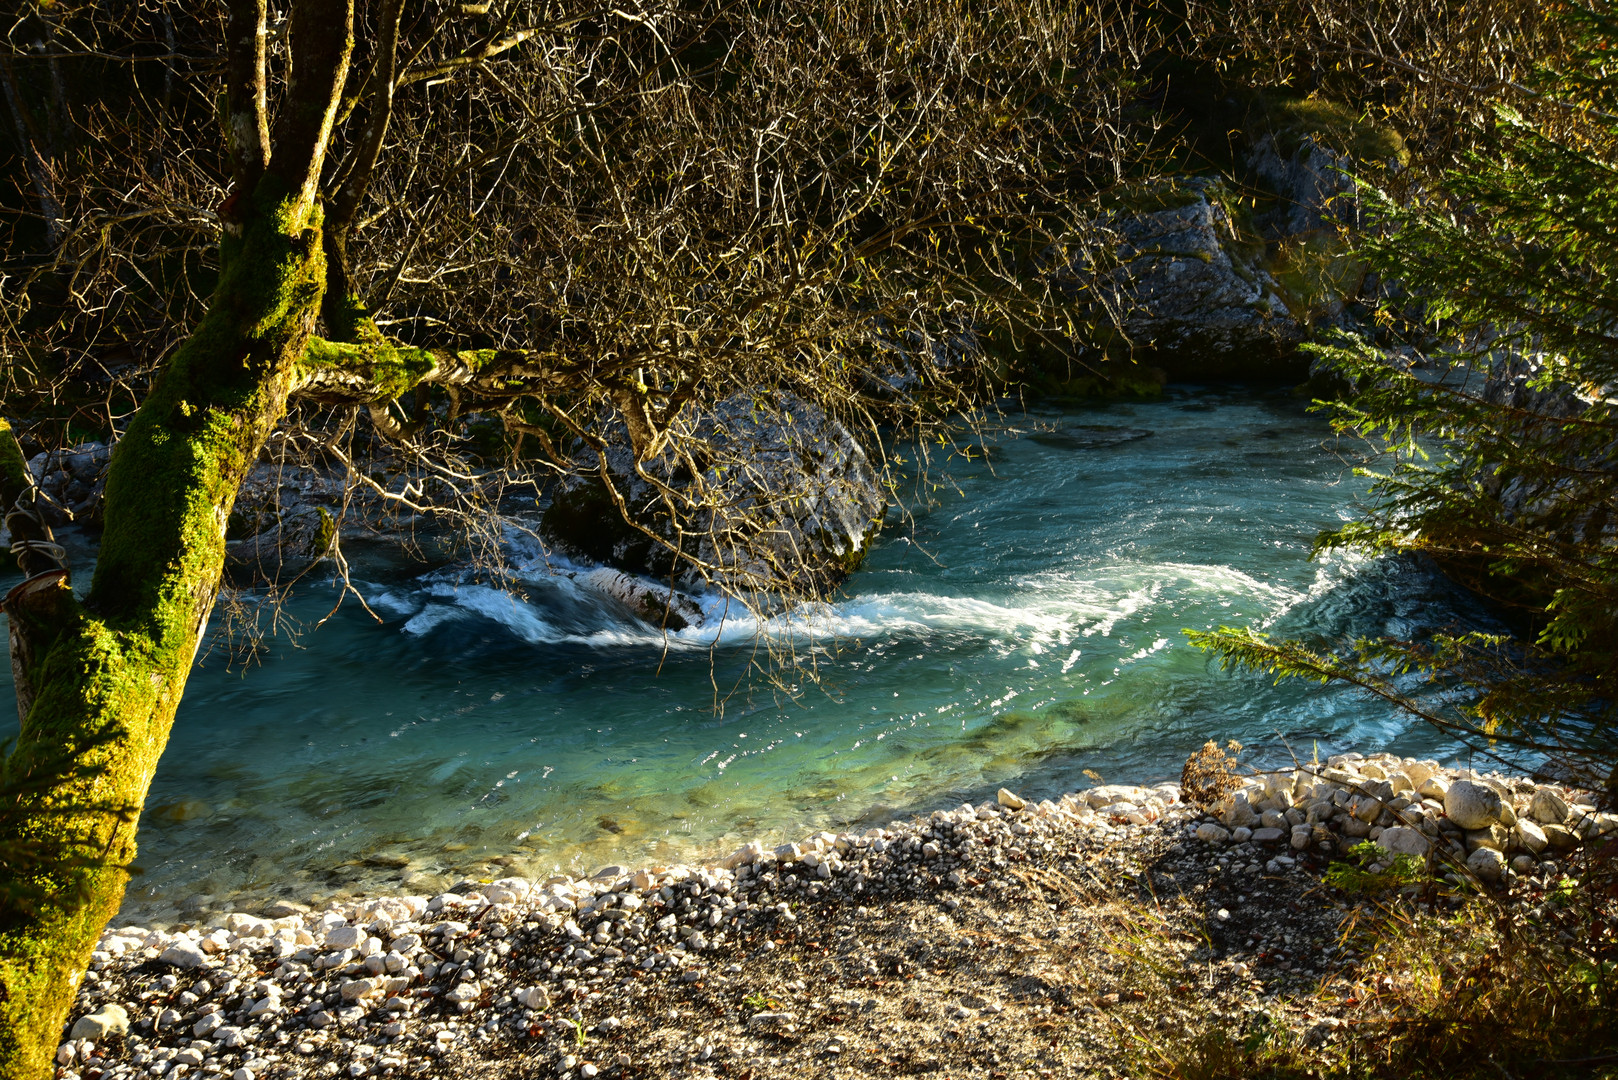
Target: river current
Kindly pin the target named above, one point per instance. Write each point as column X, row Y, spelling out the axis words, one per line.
column 1021, row 628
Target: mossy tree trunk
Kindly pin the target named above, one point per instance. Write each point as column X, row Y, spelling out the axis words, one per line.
column 99, row 677
column 108, row 671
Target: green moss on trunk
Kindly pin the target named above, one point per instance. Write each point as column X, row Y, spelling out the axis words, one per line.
column 14, row 478
column 115, row 666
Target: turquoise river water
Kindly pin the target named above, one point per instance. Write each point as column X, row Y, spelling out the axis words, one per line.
column 1021, row 629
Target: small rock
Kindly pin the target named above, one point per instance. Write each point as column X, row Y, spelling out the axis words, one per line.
column 1267, row 836
column 1420, row 771
column 1237, row 812
column 1368, row 809
column 107, row 1020
column 1530, row 836
column 1209, row 833
column 346, row 937
column 1434, row 787
column 1008, row 799
column 1495, row 836
column 184, row 954
column 242, row 1074
column 745, row 855
column 1559, row 837
column 355, row 989
column 1487, row 863
column 1400, row 840
column 464, row 992
column 1547, row 807
column 535, row 998
column 268, row 1005
column 281, row 909
column 771, row 1022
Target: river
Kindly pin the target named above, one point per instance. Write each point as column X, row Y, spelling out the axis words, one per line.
column 1021, row 628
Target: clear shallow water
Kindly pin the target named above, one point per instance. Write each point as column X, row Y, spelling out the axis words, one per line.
column 1023, row 628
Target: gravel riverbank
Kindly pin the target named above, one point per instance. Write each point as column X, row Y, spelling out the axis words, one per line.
column 1008, row 939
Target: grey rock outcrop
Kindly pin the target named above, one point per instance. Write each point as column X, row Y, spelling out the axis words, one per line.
column 1311, row 184
column 292, row 540
column 913, row 356
column 1187, row 291
column 792, row 500
column 283, row 522
column 1555, row 503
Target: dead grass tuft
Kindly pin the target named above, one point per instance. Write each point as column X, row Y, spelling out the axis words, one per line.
column 1525, row 986
column 1210, row 773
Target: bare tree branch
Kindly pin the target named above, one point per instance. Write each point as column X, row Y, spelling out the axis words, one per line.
column 247, row 125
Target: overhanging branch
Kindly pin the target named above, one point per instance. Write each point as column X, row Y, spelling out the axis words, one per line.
column 373, row 373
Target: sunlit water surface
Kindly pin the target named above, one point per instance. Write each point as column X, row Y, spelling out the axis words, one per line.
column 1023, row 629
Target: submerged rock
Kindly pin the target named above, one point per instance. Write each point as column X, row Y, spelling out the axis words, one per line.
column 657, row 604
column 1089, row 436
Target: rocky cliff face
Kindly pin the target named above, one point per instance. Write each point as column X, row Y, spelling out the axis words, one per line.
column 1311, row 184
column 284, row 522
column 1188, row 294
column 786, row 500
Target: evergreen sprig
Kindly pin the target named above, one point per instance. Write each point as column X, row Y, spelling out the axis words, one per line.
column 1490, row 382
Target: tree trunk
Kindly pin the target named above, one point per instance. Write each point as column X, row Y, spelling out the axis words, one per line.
column 110, row 670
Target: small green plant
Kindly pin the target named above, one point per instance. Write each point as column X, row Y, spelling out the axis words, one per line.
column 1372, row 872
column 757, row 1000
column 579, row 1036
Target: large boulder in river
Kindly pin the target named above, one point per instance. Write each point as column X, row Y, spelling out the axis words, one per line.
column 73, row 482
column 1549, row 408
column 1188, row 294
column 791, row 501
column 286, row 543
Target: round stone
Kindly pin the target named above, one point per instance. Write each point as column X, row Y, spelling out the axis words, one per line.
column 1472, row 806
